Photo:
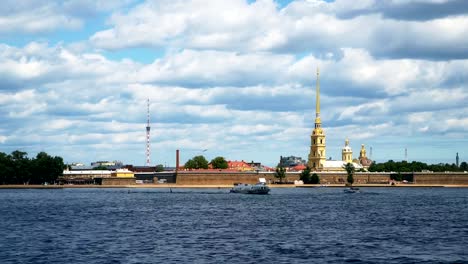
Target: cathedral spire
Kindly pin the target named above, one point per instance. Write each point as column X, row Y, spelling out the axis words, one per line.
column 317, row 96
column 317, row 154
column 318, row 122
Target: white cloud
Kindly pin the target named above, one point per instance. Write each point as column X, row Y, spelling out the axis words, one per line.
column 35, row 17
column 237, row 79
column 302, row 26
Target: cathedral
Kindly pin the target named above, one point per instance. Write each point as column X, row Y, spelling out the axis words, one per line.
column 317, row 156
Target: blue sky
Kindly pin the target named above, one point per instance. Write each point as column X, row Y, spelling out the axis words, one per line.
column 234, row 77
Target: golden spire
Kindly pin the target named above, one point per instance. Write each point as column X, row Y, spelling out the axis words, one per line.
column 318, row 123
column 317, row 97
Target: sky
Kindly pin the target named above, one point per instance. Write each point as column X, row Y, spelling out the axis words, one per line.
column 233, row 78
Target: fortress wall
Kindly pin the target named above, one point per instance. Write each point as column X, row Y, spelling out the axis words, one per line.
column 441, row 178
column 118, row 181
column 359, row 177
column 227, row 178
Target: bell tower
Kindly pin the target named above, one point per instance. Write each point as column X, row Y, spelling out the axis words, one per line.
column 317, row 153
column 347, row 153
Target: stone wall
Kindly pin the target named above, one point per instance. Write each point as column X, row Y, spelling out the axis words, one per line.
column 227, row 178
column 118, row 181
column 359, row 177
column 456, row 178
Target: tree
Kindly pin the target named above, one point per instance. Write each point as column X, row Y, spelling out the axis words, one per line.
column 315, row 179
column 46, row 168
column 6, row 168
column 159, row 168
column 197, row 162
column 100, row 167
column 21, row 167
column 17, row 168
column 219, row 163
column 305, row 175
column 396, row 177
column 464, row 166
column 349, row 167
column 280, row 173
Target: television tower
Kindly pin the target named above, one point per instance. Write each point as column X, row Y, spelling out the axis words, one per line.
column 148, row 128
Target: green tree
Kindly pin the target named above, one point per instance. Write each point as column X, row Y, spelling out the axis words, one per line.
column 197, row 162
column 396, row 177
column 219, row 163
column 280, row 173
column 46, row 168
column 349, row 167
column 305, row 175
column 21, row 167
column 159, row 168
column 100, row 167
column 464, row 166
column 17, row 168
column 315, row 179
column 6, row 168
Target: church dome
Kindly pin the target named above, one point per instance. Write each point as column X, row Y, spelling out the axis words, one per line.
column 347, row 148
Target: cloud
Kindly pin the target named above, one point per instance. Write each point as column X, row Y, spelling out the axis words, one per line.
column 211, row 68
column 37, row 17
column 236, row 78
column 403, row 10
column 301, row 26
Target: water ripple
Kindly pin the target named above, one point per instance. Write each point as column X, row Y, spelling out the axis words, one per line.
column 385, row 225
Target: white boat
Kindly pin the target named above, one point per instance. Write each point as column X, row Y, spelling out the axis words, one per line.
column 352, row 190
column 259, row 188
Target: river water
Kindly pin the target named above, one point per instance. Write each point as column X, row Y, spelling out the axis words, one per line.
column 291, row 225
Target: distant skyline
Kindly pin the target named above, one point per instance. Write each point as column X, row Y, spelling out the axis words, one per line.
column 233, row 78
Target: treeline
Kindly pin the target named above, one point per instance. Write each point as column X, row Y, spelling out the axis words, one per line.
column 17, row 168
column 200, row 162
column 416, row 166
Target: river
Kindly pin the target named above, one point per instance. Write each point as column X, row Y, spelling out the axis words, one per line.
column 290, row 225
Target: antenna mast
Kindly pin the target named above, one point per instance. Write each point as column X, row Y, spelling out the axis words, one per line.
column 148, row 128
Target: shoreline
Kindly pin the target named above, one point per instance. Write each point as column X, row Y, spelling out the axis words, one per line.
column 221, row 186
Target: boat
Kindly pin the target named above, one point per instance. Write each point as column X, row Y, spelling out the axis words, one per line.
column 258, row 188
column 352, row 190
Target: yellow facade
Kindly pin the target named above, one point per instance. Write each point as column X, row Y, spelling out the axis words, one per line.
column 362, row 153
column 317, row 154
column 124, row 173
column 347, row 153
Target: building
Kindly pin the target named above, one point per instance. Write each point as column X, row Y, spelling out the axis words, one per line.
column 111, row 165
column 347, row 153
column 291, row 161
column 257, row 166
column 317, row 152
column 317, row 155
column 239, row 165
column 125, row 173
column 363, row 160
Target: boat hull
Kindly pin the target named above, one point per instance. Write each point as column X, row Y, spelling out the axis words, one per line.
column 250, row 189
column 352, row 190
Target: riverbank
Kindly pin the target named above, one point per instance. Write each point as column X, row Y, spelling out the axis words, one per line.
column 227, row 186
